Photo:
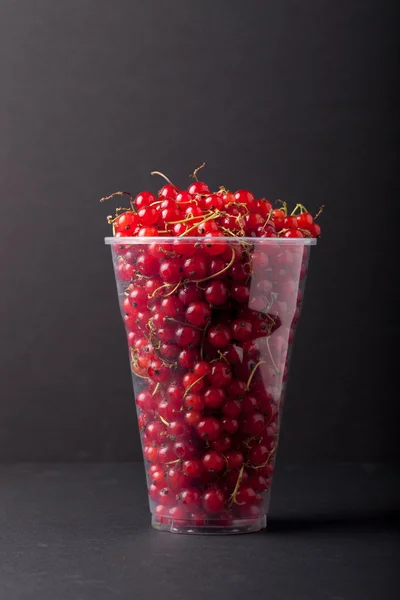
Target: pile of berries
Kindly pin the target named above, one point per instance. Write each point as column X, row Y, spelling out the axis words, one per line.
column 209, row 322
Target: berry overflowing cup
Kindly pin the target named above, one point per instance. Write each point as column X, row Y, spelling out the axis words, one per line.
column 210, row 316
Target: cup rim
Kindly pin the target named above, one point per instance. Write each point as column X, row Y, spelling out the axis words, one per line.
column 134, row 240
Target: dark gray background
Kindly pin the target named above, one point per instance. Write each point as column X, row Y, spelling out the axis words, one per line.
column 293, row 99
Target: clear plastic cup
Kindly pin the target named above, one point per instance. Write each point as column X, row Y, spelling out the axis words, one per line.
column 210, row 325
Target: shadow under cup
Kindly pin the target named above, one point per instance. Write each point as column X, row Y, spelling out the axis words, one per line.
column 210, row 325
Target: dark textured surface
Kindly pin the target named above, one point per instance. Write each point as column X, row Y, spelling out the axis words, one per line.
column 81, row 532
column 293, row 98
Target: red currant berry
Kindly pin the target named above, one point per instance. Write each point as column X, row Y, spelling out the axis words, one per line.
column 188, row 358
column 192, row 417
column 184, row 449
column 193, row 381
column 216, row 292
column 169, row 350
column 144, row 199
column 293, row 233
column 172, row 306
column 253, row 423
column 148, row 215
column 156, row 432
column 239, row 272
column 242, row 329
column 290, row 222
column 209, row 428
column 231, row 408
column 193, row 468
column 222, row 444
column 198, row 187
column 187, row 337
column 240, row 293
column 166, row 454
column 258, row 482
column 143, row 420
column 147, row 265
column 158, row 479
column 175, row 478
column 213, row 500
column 229, row 424
column 304, row 220
column 219, row 336
column 234, row 459
column 145, row 401
column 153, row 284
column 196, row 267
column 179, row 515
column 158, row 371
column 194, row 402
column 190, row 498
column 216, row 266
column 198, row 314
column 215, row 243
column 278, row 216
column 259, row 455
column 138, row 297
column 190, row 293
column 148, row 232
column 126, row 223
column 201, row 368
column 315, row 230
column 168, row 191
column 151, row 453
column 171, row 270
column 245, row 496
column 213, row 461
column 247, row 198
column 221, row 374
column 177, row 429
column 214, row 397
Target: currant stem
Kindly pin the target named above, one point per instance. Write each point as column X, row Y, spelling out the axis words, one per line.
column 267, row 220
column 164, row 177
column 319, row 212
column 209, row 218
column 232, row 499
column 296, row 208
column 163, row 420
column 104, row 198
column 156, row 389
column 191, row 385
column 182, row 323
column 252, row 374
column 192, row 218
column 174, row 289
column 264, row 463
column 194, row 174
column 270, row 354
column 284, row 206
column 222, row 357
column 203, row 340
column 219, row 272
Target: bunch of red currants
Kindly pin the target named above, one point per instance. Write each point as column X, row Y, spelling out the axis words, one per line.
column 209, row 322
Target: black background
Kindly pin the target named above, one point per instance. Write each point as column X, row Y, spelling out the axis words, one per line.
column 292, row 99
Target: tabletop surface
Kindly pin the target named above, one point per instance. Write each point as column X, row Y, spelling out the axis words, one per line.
column 82, row 532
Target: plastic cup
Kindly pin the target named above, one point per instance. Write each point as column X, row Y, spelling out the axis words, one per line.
column 210, row 325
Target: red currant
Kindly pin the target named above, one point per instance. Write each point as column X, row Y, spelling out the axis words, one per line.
column 198, row 313
column 209, row 428
column 213, row 500
column 216, row 292
column 213, row 461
